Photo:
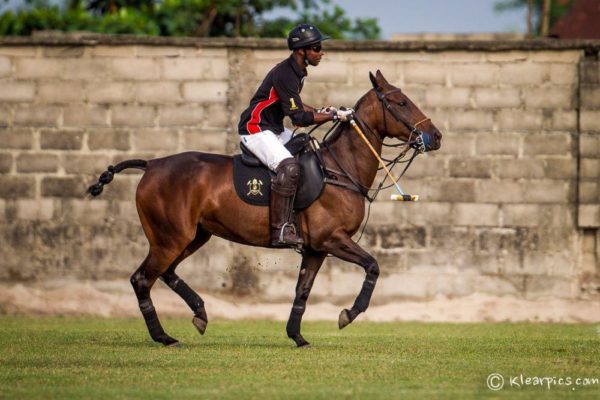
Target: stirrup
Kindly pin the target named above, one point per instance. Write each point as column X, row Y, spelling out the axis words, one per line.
column 293, row 227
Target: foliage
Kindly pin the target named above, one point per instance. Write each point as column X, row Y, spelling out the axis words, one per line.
column 232, row 18
column 557, row 9
column 105, row 358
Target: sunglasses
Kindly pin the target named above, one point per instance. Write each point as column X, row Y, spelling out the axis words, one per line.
column 316, row 48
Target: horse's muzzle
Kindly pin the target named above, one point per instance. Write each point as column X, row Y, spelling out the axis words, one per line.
column 432, row 141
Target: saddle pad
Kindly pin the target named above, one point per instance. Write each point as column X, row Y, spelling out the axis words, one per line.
column 253, row 184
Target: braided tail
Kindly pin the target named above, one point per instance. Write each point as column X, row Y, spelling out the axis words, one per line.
column 108, row 175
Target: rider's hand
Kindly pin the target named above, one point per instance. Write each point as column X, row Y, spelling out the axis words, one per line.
column 327, row 110
column 343, row 115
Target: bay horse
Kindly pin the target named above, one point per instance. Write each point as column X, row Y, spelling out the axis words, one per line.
column 184, row 199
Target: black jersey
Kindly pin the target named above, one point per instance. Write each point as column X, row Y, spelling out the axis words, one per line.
column 277, row 96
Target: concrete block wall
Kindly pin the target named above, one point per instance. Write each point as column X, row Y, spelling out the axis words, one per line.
column 509, row 204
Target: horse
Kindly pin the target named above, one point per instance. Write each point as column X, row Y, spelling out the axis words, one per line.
column 184, row 199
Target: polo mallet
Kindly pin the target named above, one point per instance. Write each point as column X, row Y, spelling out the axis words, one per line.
column 401, row 196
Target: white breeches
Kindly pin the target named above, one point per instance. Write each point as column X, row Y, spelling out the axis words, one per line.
column 268, row 147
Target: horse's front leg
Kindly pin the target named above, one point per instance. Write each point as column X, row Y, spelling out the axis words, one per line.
column 311, row 263
column 342, row 246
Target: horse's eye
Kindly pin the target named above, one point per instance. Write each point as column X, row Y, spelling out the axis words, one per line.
column 402, row 103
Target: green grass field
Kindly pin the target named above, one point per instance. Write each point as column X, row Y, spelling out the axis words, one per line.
column 115, row 358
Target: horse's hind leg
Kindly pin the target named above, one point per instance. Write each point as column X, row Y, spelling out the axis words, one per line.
column 142, row 281
column 311, row 263
column 192, row 299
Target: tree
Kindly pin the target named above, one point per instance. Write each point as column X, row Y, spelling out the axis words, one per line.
column 231, row 18
column 536, row 23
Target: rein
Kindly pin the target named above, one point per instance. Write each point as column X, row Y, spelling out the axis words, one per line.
column 418, row 145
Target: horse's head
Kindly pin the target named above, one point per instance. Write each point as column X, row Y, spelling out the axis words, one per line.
column 395, row 115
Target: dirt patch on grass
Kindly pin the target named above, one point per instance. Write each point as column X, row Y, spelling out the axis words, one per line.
column 116, row 299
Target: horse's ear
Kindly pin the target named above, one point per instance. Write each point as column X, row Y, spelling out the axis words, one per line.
column 379, row 78
column 373, row 80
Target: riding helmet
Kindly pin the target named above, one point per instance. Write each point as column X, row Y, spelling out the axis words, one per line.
column 305, row 35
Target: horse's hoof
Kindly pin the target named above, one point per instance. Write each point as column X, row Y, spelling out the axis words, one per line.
column 200, row 324
column 300, row 341
column 168, row 341
column 344, row 319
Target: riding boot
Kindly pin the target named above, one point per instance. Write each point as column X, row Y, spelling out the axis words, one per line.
column 283, row 189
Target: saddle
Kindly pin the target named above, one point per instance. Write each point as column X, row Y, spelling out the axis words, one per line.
column 252, row 180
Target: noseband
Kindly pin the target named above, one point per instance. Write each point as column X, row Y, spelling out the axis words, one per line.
column 421, row 140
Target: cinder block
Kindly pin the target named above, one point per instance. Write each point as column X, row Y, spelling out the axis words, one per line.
column 527, row 73
column 158, row 51
column 471, row 214
column 188, row 115
column 86, row 69
column 550, row 97
column 135, row 116
column 205, row 140
column 497, row 144
column 330, row 71
column 460, row 144
column 561, row 168
column 589, row 192
column 438, row 96
column 547, row 144
column 5, row 66
column 85, row 116
column 40, row 162
column 37, row 115
column 521, row 215
column 85, row 164
column 359, row 71
column 16, row 138
column 13, row 187
column 485, row 74
column 205, row 92
column 520, row 120
column 110, row 92
column 63, row 51
column 111, row 51
column 424, row 73
column 563, row 74
column 452, row 238
column 427, row 166
column 134, row 69
column 590, row 121
column 588, row 215
column 16, row 91
column 108, row 139
column 74, row 186
column 456, row 190
column 564, row 120
column 6, row 162
column 547, row 191
column 61, row 92
column 499, row 191
column 158, row 92
column 589, row 71
column 195, row 68
column 18, row 51
column 35, row 210
column 543, row 287
column 6, row 116
column 497, row 98
column 342, row 96
column 471, row 167
column 551, row 56
column 150, row 139
column 28, row 68
column 528, row 168
column 590, row 168
column 506, row 56
column 61, row 140
column 590, row 96
column 589, row 145
column 393, row 237
column 471, row 119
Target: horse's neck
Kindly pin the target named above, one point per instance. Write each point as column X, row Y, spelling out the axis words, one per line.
column 354, row 154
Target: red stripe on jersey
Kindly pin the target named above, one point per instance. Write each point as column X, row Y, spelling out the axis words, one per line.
column 253, row 125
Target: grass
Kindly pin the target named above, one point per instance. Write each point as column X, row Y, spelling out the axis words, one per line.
column 114, row 358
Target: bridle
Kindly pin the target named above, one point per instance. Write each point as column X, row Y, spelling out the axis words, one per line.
column 421, row 140
column 417, row 140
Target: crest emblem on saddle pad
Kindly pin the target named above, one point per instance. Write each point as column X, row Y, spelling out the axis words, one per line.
column 254, row 185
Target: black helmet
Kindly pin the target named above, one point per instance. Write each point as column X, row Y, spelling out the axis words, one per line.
column 304, row 35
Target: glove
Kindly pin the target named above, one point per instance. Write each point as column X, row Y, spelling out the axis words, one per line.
column 327, row 110
column 343, row 115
